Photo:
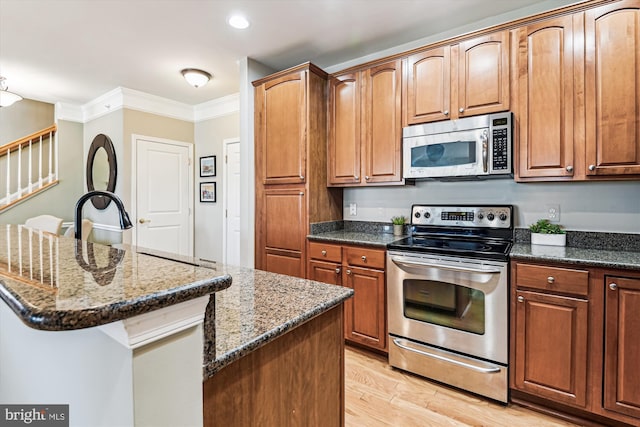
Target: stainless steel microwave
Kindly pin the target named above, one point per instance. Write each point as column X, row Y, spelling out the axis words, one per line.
column 470, row 147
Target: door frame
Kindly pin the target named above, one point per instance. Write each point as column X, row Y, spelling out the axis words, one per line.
column 134, row 181
column 225, row 202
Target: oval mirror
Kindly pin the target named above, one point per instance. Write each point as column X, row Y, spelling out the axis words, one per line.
column 102, row 169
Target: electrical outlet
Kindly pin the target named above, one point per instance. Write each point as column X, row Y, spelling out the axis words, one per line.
column 553, row 213
column 353, row 211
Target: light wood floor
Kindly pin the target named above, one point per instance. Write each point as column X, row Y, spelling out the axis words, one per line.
column 378, row 395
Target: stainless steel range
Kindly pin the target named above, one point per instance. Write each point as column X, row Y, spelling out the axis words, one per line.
column 447, row 296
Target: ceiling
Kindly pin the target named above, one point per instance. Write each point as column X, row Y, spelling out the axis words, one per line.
column 76, row 50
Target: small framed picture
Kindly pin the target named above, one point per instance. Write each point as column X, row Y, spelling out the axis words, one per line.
column 208, row 166
column 208, row 192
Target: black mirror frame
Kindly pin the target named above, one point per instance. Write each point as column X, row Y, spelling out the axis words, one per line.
column 102, row 141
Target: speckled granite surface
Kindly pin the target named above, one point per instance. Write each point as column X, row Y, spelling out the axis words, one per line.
column 379, row 240
column 577, row 256
column 592, row 240
column 53, row 284
column 257, row 309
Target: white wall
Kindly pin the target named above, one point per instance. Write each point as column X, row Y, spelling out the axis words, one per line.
column 588, row 206
column 209, row 217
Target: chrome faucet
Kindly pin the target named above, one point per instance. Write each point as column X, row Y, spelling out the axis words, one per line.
column 125, row 222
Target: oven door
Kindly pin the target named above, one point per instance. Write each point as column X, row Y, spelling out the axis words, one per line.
column 452, row 154
column 454, row 303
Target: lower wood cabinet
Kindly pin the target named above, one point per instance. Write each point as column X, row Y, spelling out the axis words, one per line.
column 362, row 269
column 622, row 346
column 575, row 341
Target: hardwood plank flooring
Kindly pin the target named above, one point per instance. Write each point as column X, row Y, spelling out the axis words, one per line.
column 379, row 395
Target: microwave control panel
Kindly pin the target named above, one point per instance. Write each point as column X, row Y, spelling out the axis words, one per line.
column 500, row 130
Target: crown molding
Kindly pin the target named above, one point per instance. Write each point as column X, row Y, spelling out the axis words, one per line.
column 122, row 97
column 218, row 107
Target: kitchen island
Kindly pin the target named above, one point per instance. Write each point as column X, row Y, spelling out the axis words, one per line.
column 121, row 336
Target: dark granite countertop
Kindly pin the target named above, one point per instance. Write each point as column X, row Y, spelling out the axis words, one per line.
column 57, row 283
column 257, row 309
column 607, row 258
column 379, row 240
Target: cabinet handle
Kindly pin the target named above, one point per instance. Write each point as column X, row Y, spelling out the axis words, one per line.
column 461, row 110
column 301, row 177
column 366, row 177
column 613, row 286
column 348, row 271
column 569, row 168
column 364, row 258
column 446, row 112
column 142, row 220
column 338, row 270
column 551, row 279
column 324, row 253
column 592, row 167
column 356, row 177
column 520, row 299
column 302, row 193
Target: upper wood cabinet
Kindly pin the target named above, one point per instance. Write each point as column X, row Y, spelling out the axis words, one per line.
column 462, row 80
column 545, row 84
column 612, row 89
column 365, row 127
column 483, row 74
column 281, row 112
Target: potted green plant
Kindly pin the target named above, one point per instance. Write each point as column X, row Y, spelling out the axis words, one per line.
column 544, row 232
column 398, row 225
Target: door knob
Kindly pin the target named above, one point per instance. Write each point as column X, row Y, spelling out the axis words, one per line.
column 521, row 299
column 142, row 220
column 613, row 286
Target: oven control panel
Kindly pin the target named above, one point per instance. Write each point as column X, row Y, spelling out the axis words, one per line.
column 462, row 216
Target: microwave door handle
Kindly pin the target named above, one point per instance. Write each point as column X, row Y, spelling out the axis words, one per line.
column 485, row 151
column 408, row 263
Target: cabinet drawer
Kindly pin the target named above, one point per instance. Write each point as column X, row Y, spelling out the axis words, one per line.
column 361, row 257
column 325, row 251
column 553, row 279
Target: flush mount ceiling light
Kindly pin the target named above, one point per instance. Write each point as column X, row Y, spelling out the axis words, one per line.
column 7, row 98
column 195, row 77
column 238, row 21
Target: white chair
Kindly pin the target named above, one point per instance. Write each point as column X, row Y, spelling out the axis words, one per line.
column 87, row 226
column 47, row 223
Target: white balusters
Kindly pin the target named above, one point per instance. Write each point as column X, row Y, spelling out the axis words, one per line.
column 19, row 172
column 40, row 163
column 8, row 176
column 30, row 167
column 50, row 157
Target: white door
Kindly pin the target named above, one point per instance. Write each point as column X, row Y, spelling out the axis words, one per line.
column 163, row 195
column 231, row 202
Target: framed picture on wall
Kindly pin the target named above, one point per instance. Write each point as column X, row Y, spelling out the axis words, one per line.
column 207, row 191
column 208, row 166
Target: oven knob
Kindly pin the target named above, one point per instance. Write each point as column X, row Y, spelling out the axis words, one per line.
column 503, row 216
column 481, row 216
column 417, row 214
column 427, row 215
column 491, row 217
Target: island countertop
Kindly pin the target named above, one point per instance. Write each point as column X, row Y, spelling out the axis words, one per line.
column 57, row 283
column 259, row 308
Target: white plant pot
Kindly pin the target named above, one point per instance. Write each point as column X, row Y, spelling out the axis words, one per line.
column 549, row 239
column 398, row 229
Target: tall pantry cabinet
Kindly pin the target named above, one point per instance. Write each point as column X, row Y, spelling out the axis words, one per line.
column 291, row 171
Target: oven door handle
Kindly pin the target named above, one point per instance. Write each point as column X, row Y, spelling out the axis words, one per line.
column 397, row 342
column 408, row 263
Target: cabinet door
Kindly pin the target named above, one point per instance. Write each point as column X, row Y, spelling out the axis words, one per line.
column 545, row 98
column 622, row 346
column 365, row 318
column 612, row 89
column 427, row 89
column 344, row 129
column 281, row 141
column 551, row 347
column 327, row 272
column 383, row 122
column 282, row 231
column 483, row 75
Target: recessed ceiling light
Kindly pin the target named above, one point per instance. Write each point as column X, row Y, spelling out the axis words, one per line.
column 238, row 21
